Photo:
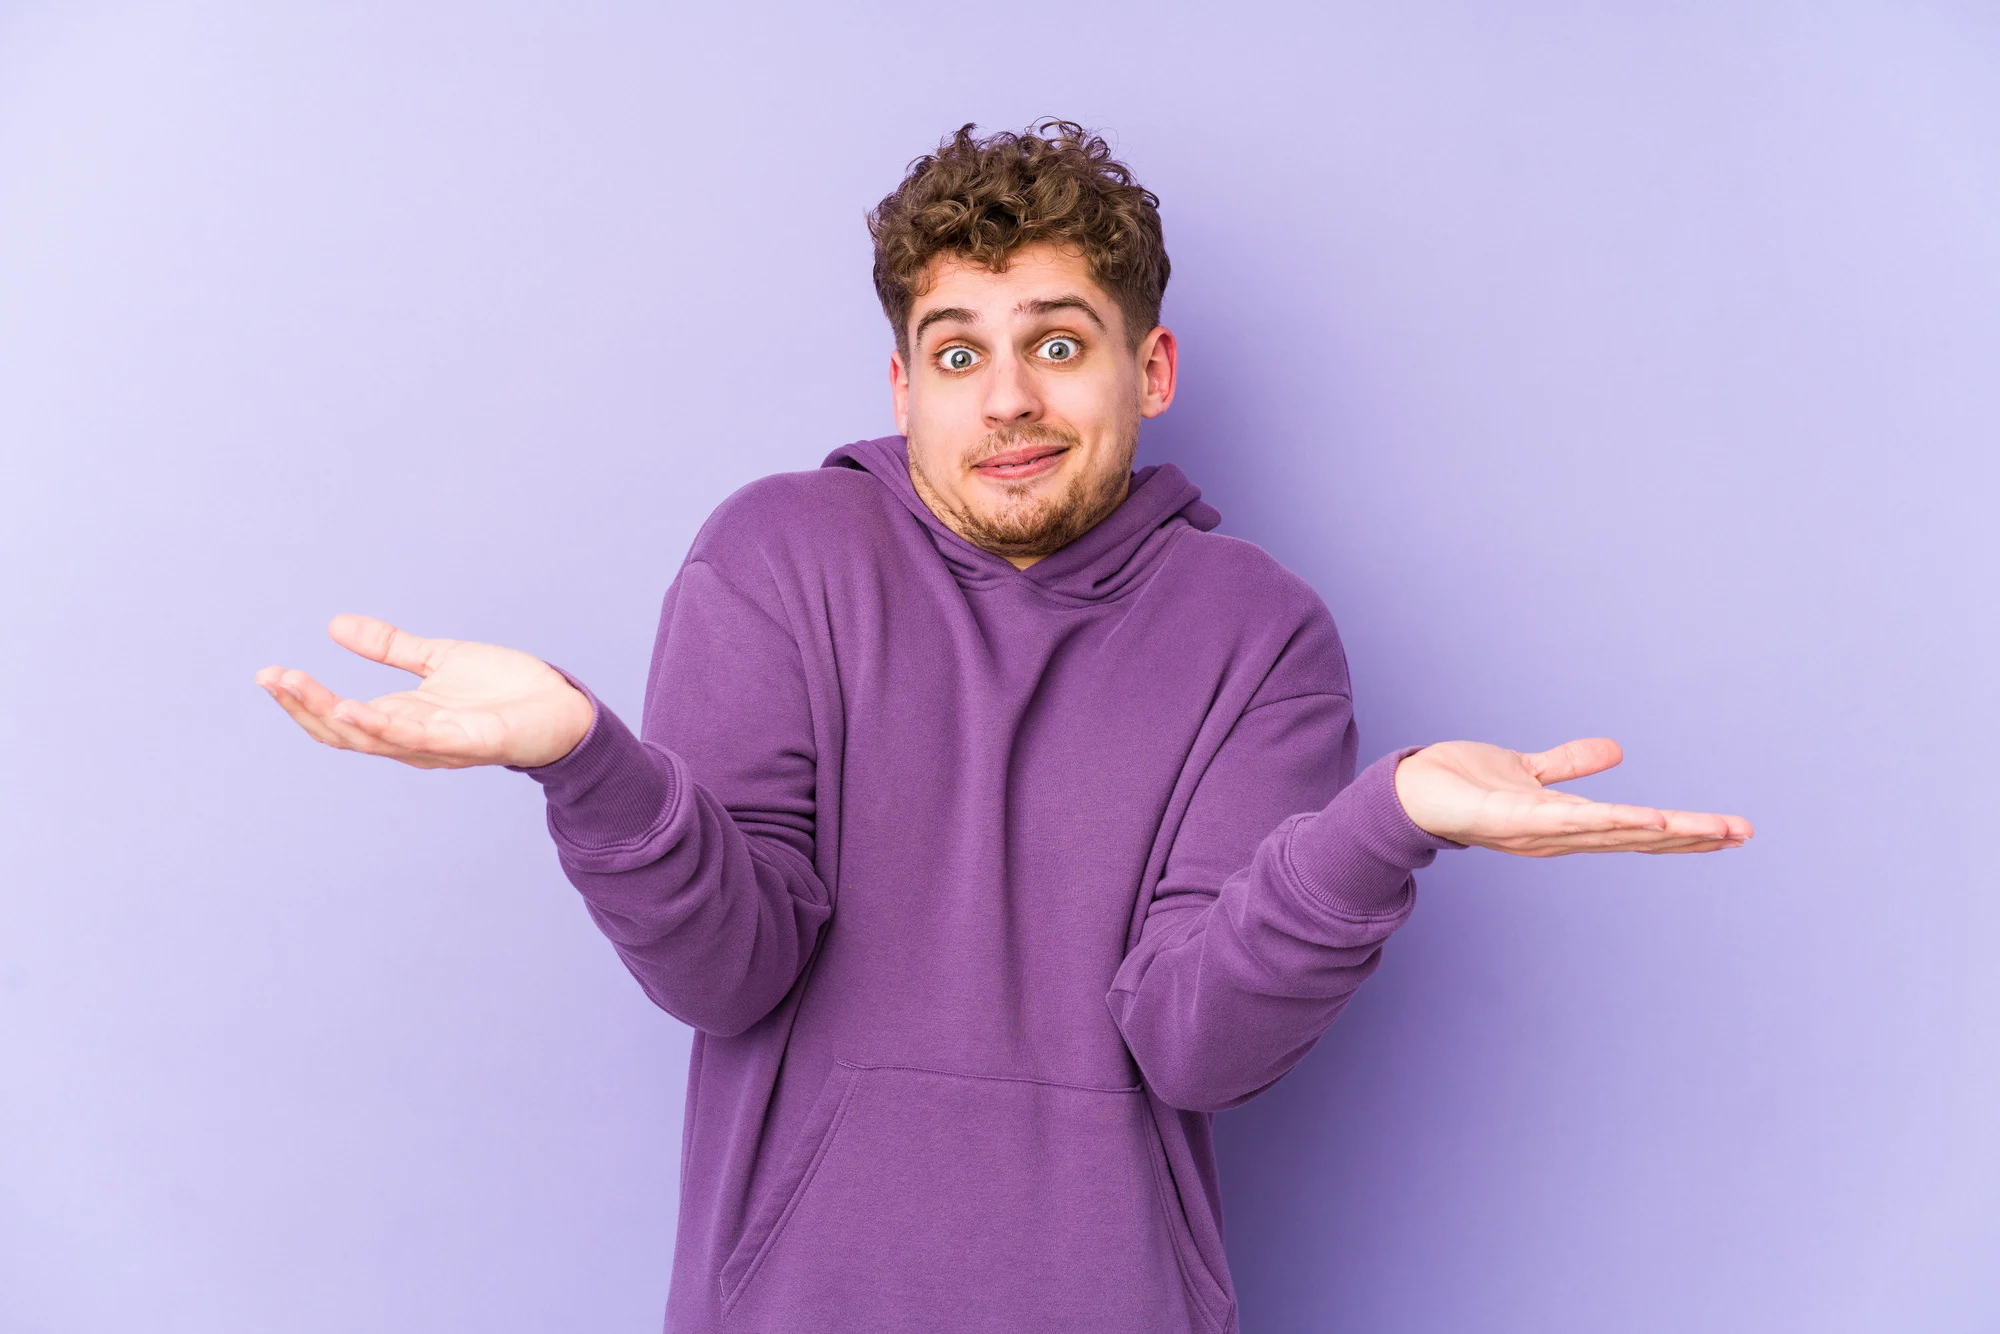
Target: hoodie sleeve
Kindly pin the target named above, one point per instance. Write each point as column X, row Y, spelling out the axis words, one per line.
column 692, row 842
column 1240, row 968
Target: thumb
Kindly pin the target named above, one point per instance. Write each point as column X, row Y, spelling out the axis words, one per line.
column 382, row 642
column 1574, row 759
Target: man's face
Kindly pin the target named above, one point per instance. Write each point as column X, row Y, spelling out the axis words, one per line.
column 1021, row 400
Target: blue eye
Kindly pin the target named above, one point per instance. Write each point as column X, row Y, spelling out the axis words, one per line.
column 958, row 358
column 1060, row 349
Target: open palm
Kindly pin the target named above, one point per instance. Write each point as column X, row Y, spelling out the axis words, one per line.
column 1492, row 797
column 476, row 704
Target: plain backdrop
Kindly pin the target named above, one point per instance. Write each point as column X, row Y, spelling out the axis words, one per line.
column 1610, row 370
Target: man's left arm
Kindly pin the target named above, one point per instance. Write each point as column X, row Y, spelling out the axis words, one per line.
column 1240, row 969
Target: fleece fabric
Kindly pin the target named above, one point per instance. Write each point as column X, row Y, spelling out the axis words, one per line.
column 982, row 889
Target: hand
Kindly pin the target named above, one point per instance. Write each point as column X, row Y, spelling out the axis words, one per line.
column 478, row 703
column 1491, row 797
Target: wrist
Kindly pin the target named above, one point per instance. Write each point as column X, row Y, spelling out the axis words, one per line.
column 583, row 713
column 1406, row 781
column 572, row 722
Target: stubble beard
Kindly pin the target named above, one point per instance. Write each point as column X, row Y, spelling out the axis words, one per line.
column 1025, row 526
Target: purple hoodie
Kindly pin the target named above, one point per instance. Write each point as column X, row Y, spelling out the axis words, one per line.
column 982, row 889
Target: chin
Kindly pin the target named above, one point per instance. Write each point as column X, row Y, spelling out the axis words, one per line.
column 1035, row 498
column 1038, row 526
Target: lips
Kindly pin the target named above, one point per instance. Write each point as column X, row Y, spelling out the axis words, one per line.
column 1021, row 462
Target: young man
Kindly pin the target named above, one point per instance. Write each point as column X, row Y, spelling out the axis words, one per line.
column 992, row 820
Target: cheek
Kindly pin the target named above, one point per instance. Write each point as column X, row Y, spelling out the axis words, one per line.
column 943, row 416
column 1096, row 405
column 937, row 438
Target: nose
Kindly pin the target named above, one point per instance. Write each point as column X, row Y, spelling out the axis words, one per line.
column 1011, row 396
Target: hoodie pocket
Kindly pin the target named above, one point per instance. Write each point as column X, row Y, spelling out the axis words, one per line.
column 927, row 1200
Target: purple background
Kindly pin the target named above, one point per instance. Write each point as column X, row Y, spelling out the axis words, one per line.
column 1631, row 374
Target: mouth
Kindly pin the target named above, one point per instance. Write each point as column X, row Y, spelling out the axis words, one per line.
column 1017, row 464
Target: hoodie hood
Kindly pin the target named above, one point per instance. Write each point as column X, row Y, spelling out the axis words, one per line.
column 1104, row 562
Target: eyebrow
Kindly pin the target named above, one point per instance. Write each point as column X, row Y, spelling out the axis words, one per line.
column 1049, row 305
column 1037, row 306
column 959, row 313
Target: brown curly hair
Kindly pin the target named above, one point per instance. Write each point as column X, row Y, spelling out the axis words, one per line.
column 983, row 199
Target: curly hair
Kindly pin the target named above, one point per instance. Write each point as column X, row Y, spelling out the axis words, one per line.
column 980, row 200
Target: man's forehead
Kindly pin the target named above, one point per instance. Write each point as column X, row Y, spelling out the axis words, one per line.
column 1036, row 279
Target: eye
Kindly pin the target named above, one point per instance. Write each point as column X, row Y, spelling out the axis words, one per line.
column 1060, row 349
column 960, row 358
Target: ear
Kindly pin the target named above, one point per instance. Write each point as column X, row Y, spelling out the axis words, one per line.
column 899, row 391
column 1159, row 360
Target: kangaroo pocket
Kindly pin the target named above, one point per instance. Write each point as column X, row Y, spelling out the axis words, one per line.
column 925, row 1200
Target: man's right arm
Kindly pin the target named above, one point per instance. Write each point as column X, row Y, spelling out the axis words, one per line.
column 692, row 842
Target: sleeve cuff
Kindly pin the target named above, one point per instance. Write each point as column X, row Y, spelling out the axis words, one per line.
column 1355, row 856
column 611, row 788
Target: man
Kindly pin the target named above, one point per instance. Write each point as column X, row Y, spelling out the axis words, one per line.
column 992, row 820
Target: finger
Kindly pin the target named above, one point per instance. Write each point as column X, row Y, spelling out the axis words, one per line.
column 1574, row 759
column 1619, row 840
column 401, row 734
column 384, row 643
column 1707, row 845
column 320, row 703
column 1550, row 818
column 304, row 717
column 1708, row 823
column 1683, row 845
column 340, row 739
column 399, row 738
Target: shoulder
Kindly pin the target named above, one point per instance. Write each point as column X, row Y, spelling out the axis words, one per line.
column 1279, row 620
column 774, row 530
column 1231, row 570
column 785, row 505
column 794, row 513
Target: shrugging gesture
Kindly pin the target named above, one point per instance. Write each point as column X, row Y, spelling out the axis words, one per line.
column 477, row 703
column 1490, row 797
